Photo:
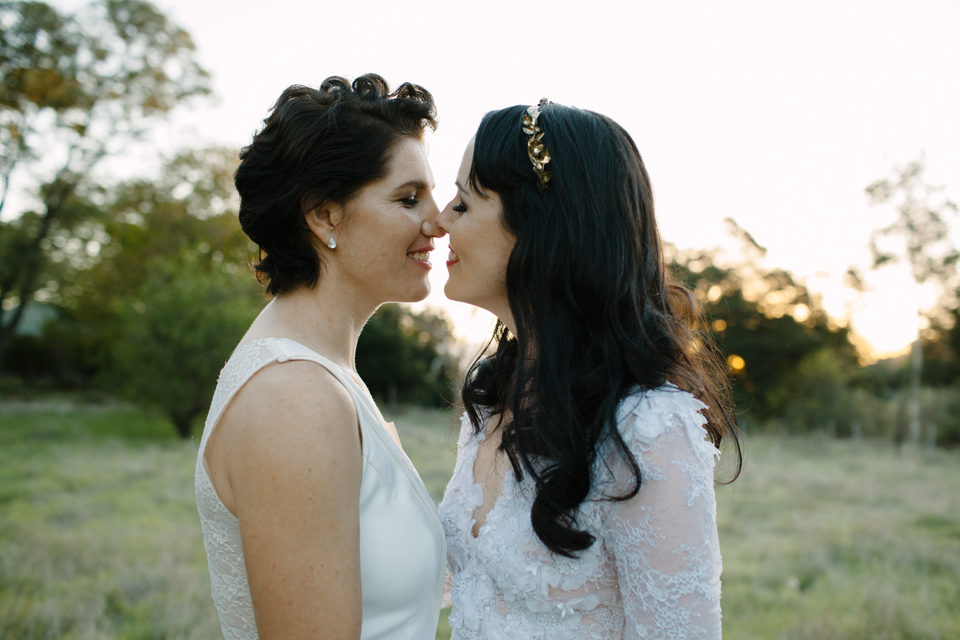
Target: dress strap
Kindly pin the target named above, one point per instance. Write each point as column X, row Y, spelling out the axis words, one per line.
column 292, row 350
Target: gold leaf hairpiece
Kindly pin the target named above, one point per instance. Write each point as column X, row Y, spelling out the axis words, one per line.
column 536, row 149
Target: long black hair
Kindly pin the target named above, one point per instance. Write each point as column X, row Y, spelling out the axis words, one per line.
column 319, row 144
column 596, row 311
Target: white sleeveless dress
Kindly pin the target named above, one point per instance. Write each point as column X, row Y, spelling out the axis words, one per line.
column 402, row 546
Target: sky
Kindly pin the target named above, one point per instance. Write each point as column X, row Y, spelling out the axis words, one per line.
column 775, row 114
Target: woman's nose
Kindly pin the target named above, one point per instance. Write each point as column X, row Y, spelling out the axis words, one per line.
column 431, row 226
column 431, row 230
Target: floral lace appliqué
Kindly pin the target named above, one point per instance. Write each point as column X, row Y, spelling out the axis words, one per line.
column 654, row 570
column 221, row 529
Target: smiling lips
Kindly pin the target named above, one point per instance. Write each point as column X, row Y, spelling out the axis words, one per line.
column 452, row 259
column 422, row 257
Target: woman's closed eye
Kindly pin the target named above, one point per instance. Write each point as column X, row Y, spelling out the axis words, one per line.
column 409, row 202
column 460, row 208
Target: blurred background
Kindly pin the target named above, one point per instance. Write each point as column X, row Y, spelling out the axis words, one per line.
column 806, row 161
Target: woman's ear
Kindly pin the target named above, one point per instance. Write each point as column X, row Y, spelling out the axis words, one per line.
column 322, row 220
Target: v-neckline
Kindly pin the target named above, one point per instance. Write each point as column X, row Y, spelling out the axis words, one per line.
column 480, row 437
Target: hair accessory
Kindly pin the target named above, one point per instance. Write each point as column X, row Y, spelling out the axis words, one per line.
column 536, row 149
column 332, row 243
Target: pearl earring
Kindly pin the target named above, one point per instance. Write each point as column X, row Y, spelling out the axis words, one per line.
column 332, row 243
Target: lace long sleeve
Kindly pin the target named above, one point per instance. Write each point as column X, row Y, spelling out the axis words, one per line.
column 447, row 600
column 664, row 540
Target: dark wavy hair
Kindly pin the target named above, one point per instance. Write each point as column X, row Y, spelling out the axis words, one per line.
column 318, row 145
column 592, row 300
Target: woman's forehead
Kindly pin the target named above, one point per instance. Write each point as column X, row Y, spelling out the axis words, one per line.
column 408, row 167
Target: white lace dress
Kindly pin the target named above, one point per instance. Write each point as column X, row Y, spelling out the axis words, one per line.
column 401, row 540
column 654, row 570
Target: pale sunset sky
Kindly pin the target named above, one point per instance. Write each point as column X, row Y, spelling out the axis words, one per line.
column 776, row 114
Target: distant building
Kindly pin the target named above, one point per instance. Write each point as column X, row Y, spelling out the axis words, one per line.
column 34, row 317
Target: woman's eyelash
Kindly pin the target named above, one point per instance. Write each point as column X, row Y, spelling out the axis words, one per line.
column 460, row 208
column 410, row 202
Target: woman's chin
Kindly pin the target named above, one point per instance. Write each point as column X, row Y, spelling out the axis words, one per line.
column 451, row 293
column 413, row 294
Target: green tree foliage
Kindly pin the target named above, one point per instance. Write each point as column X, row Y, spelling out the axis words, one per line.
column 168, row 296
column 765, row 323
column 948, row 431
column 941, row 371
column 187, row 213
column 405, row 356
column 75, row 89
column 176, row 334
column 817, row 393
column 941, row 349
column 190, row 208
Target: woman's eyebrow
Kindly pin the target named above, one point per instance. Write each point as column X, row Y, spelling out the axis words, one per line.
column 419, row 185
column 460, row 186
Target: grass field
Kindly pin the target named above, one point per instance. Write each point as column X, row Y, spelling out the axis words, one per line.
column 822, row 539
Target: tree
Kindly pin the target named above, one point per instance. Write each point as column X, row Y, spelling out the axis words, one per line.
column 188, row 211
column 177, row 333
column 763, row 320
column 817, row 393
column 168, row 297
column 191, row 206
column 921, row 228
column 75, row 89
column 941, row 349
column 405, row 356
column 919, row 236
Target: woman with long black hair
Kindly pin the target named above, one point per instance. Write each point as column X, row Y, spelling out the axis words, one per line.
column 582, row 503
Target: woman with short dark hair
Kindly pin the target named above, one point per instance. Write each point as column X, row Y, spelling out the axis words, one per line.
column 315, row 523
column 582, row 504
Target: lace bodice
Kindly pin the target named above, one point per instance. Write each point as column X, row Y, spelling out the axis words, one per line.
column 401, row 539
column 654, row 570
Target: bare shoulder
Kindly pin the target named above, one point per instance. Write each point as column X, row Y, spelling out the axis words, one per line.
column 300, row 391
column 290, row 412
column 290, row 421
column 294, row 468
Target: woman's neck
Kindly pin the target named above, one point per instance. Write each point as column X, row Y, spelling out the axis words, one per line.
column 327, row 319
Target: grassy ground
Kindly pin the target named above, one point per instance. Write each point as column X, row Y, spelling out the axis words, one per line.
column 836, row 540
column 99, row 536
